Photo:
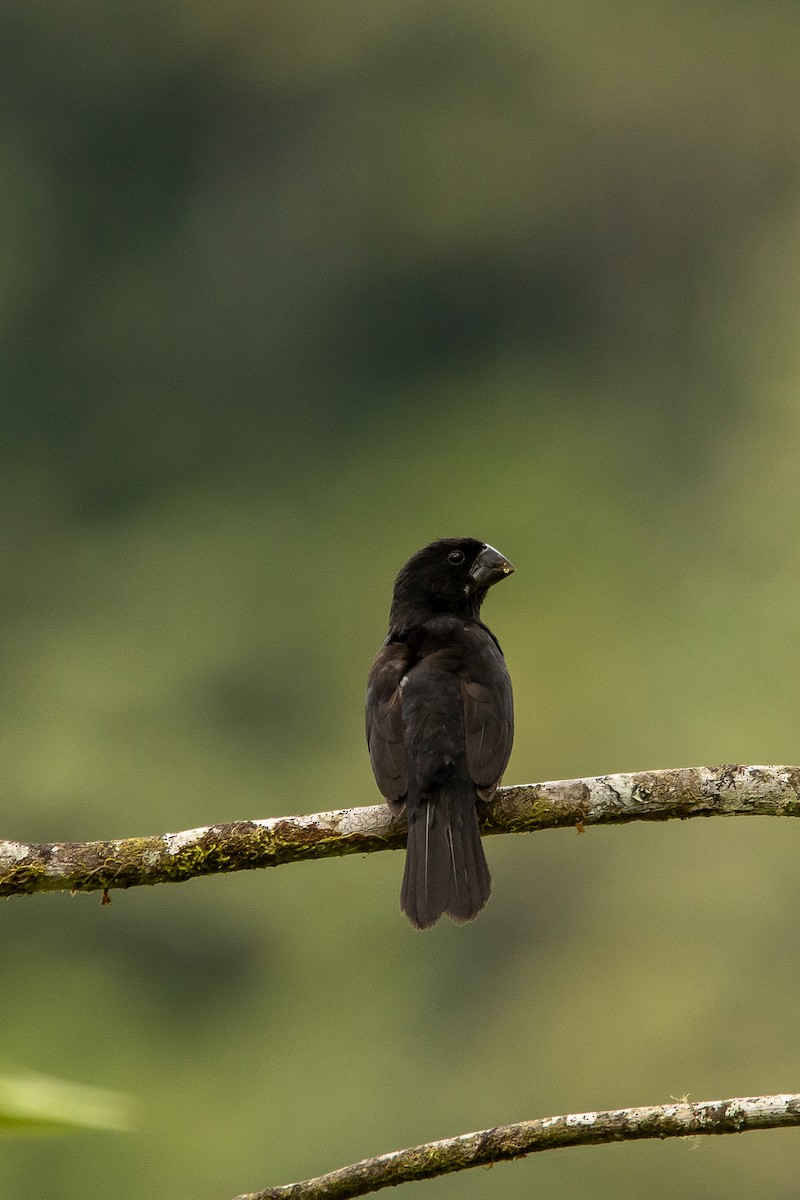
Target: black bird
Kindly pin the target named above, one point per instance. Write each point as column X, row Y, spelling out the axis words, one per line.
column 440, row 723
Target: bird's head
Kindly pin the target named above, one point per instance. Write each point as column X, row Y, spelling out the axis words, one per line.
column 452, row 575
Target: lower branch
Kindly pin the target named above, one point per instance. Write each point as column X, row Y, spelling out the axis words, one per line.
column 246, row 845
column 549, row 1133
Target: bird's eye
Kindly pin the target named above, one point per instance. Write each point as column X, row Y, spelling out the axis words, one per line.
column 455, row 557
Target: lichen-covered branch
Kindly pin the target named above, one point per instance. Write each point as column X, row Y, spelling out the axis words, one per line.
column 677, row 1119
column 245, row 845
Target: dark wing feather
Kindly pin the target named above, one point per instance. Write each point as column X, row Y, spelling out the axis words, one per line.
column 387, row 749
column 488, row 717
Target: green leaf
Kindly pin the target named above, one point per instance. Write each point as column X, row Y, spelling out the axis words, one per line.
column 38, row 1106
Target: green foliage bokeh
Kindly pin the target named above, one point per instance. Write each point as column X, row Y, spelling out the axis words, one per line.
column 287, row 290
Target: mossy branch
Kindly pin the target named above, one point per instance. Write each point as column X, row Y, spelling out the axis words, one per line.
column 677, row 1119
column 526, row 808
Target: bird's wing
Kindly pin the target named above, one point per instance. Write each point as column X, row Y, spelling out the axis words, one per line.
column 488, row 715
column 385, row 721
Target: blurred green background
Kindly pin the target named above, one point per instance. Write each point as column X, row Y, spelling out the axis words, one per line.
column 286, row 291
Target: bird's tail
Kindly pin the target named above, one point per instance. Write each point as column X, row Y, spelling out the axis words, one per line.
column 446, row 869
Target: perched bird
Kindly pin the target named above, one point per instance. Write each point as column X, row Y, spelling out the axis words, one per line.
column 440, row 723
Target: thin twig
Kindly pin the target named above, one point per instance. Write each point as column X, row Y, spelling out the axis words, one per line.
column 549, row 1133
column 526, row 808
